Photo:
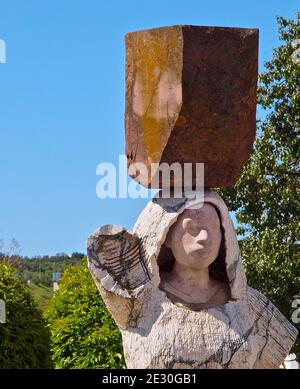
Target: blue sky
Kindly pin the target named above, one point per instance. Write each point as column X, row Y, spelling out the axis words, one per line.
column 62, row 106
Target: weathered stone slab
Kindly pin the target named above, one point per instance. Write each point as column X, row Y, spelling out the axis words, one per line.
column 191, row 97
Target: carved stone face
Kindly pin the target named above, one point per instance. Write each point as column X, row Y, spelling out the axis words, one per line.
column 196, row 237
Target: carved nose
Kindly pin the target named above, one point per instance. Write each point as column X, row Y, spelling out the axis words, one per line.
column 202, row 236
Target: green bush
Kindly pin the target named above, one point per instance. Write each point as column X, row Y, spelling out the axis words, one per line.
column 24, row 338
column 83, row 333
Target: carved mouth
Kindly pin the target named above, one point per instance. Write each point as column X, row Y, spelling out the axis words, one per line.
column 199, row 250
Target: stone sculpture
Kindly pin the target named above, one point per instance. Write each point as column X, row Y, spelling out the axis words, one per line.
column 175, row 284
column 228, row 325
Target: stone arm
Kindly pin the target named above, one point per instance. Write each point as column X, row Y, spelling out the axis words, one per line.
column 116, row 262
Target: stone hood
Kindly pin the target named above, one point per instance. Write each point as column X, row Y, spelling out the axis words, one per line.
column 160, row 214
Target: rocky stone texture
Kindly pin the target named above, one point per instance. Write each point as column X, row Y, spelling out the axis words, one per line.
column 246, row 332
column 119, row 260
column 191, row 97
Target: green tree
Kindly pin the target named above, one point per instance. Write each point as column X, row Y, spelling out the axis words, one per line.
column 266, row 197
column 83, row 333
column 24, row 338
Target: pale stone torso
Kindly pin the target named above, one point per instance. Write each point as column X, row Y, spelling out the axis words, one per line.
column 166, row 335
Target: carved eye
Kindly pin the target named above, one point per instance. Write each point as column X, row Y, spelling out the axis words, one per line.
column 214, row 224
column 190, row 226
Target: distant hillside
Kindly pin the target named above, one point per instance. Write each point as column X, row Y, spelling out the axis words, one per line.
column 39, row 270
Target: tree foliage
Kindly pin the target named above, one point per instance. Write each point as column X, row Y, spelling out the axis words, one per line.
column 24, row 338
column 83, row 333
column 266, row 197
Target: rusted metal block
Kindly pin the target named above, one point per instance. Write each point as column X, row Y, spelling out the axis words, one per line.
column 191, row 97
